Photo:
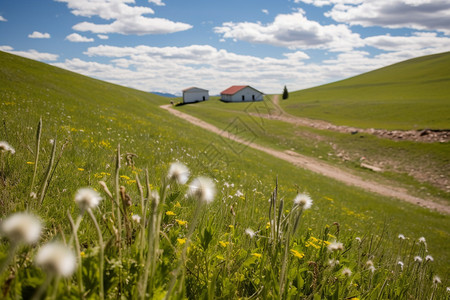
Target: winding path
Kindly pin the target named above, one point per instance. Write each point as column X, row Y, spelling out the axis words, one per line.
column 317, row 166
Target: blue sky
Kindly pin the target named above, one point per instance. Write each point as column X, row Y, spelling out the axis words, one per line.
column 169, row 45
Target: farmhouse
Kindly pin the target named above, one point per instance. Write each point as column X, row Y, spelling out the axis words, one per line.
column 241, row 93
column 195, row 94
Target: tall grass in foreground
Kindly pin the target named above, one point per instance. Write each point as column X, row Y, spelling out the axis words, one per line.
column 143, row 249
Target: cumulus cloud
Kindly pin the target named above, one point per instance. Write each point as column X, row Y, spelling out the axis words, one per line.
column 32, row 54
column 75, row 37
column 2, row 19
column 126, row 19
column 294, row 31
column 39, row 35
column 102, row 36
column 429, row 42
column 415, row 14
column 265, row 11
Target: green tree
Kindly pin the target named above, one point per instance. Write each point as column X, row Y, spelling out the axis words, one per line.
column 285, row 93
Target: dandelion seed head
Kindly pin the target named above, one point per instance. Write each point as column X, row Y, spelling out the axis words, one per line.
column 418, row 259
column 372, row 269
column 21, row 228
column 250, row 232
column 202, row 189
column 422, row 240
column 358, row 239
column 178, row 172
column 401, row 236
column 57, row 259
column 400, row 263
column 303, row 200
column 346, row 272
column 369, row 263
column 87, row 198
column 136, row 218
column 436, row 279
column 5, row 147
column 333, row 262
column 335, row 246
column 429, row 258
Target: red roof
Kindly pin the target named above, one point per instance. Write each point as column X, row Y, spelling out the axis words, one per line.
column 233, row 89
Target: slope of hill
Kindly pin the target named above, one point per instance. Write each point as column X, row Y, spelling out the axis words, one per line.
column 84, row 120
column 414, row 94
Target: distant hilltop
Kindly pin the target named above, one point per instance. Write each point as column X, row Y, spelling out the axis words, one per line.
column 168, row 95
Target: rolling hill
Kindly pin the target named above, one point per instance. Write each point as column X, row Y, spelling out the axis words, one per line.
column 413, row 94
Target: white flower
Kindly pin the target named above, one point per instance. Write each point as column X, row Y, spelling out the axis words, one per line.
column 87, row 198
column 250, row 232
column 335, row 246
column 346, row 272
column 239, row 193
column 203, row 189
column 400, row 263
column 333, row 262
column 5, row 147
column 57, row 259
column 21, row 228
column 303, row 200
column 429, row 258
column 178, row 172
column 136, row 218
column 369, row 263
column 372, row 269
column 358, row 239
column 436, row 279
column 422, row 240
column 401, row 236
column 418, row 259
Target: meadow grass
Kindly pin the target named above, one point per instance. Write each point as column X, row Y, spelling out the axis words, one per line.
column 203, row 250
column 413, row 94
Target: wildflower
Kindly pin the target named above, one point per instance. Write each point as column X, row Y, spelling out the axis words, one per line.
column 181, row 241
column 400, row 263
column 250, row 232
column 178, row 172
column 303, row 200
column 436, row 279
column 181, row 222
column 297, row 254
column 422, row 240
column 5, row 147
column 82, row 254
column 170, row 213
column 333, row 262
column 429, row 258
column 358, row 239
column 177, row 205
column 80, row 169
column 57, row 259
column 203, row 189
column 346, row 272
column 87, row 198
column 335, row 246
column 239, row 193
column 401, row 236
column 257, row 255
column 372, row 269
column 369, row 263
column 223, row 244
column 136, row 218
column 418, row 259
column 21, row 228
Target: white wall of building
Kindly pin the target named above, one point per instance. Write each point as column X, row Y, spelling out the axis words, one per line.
column 247, row 94
column 195, row 95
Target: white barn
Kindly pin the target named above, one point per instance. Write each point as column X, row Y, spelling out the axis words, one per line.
column 195, row 94
column 241, row 93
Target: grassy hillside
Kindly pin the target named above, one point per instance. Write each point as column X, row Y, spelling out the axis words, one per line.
column 84, row 120
column 414, row 94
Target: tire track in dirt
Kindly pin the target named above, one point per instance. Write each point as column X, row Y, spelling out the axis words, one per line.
column 317, row 166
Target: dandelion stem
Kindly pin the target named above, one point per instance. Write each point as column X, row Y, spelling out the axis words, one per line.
column 36, row 157
column 101, row 252
column 46, row 181
column 77, row 247
column 43, row 288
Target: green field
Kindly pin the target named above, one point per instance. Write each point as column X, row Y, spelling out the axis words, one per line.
column 414, row 94
column 87, row 119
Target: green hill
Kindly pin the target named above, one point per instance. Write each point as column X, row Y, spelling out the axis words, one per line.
column 85, row 119
column 414, row 94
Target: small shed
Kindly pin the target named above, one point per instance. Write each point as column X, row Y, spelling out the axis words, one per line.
column 241, row 93
column 195, row 94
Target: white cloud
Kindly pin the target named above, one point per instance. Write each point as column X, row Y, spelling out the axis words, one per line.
column 39, row 35
column 294, row 31
column 126, row 19
column 102, row 36
column 418, row 43
column 2, row 19
column 415, row 14
column 75, row 37
column 32, row 54
column 265, row 11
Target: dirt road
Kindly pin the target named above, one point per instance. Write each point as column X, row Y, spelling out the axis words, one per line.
column 317, row 166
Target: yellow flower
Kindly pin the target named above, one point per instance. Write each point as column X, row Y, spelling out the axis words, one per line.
column 181, row 222
column 170, row 213
column 125, row 177
column 223, row 244
column 297, row 254
column 181, row 241
column 257, row 255
column 80, row 169
column 268, row 225
column 177, row 205
column 30, row 163
column 231, row 226
column 82, row 254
